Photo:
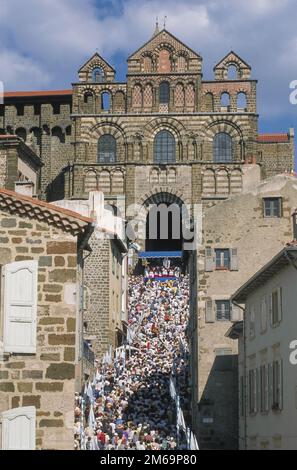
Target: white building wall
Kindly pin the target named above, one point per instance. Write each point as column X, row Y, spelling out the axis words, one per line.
column 274, row 429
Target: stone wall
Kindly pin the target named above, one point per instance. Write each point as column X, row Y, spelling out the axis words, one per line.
column 103, row 281
column 46, row 379
column 45, row 125
column 277, row 157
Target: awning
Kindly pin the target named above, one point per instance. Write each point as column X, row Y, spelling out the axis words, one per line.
column 160, row 254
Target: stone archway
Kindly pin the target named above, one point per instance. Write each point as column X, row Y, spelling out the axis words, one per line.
column 164, row 222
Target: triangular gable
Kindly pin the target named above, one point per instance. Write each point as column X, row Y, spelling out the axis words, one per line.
column 169, row 37
column 96, row 60
column 232, row 57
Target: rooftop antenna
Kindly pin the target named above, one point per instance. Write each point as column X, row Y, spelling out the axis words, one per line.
column 165, row 18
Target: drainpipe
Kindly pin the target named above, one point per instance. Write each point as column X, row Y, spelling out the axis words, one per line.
column 244, row 375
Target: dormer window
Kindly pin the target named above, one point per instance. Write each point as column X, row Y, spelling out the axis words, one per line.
column 98, row 75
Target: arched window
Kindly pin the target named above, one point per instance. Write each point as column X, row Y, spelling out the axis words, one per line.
column 119, row 101
column 241, row 101
column 190, row 97
column 148, row 98
column 137, row 97
column 181, row 63
column 105, row 101
column 222, row 148
column 232, row 72
column 107, row 149
column 98, row 75
column 147, row 64
column 164, row 61
column 164, row 147
column 164, row 93
column 225, row 100
column 209, row 102
column 179, row 96
column 88, row 97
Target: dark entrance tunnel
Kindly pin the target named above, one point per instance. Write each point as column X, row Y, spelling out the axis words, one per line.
column 164, row 223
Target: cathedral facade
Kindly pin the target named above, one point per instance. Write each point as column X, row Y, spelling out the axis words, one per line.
column 165, row 130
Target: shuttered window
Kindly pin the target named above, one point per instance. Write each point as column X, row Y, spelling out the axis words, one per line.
column 253, row 391
column 18, row 429
column 223, row 308
column 252, row 322
column 264, row 314
column 264, row 388
column 20, row 306
column 222, row 259
column 276, row 307
column 277, row 383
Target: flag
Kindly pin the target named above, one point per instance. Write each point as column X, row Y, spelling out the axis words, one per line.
column 172, row 389
column 91, row 419
column 90, row 392
column 193, row 442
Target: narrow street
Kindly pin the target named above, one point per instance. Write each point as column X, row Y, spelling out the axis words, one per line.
column 131, row 403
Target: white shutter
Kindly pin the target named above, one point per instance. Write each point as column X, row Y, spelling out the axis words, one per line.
column 209, row 259
column 20, row 306
column 279, row 303
column 233, row 259
column 210, row 313
column 236, row 313
column 18, row 428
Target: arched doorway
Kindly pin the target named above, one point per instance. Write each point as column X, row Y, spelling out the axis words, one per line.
column 164, row 222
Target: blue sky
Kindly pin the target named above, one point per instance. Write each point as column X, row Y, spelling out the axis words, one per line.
column 44, row 44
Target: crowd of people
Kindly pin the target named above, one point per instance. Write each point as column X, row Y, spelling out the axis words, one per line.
column 162, row 271
column 129, row 404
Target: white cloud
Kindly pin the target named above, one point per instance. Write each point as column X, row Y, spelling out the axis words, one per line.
column 18, row 72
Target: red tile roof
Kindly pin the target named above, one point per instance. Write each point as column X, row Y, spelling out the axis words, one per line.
column 34, row 208
column 20, row 94
column 270, row 138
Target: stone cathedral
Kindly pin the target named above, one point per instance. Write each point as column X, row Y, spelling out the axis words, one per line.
column 165, row 131
column 165, row 135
